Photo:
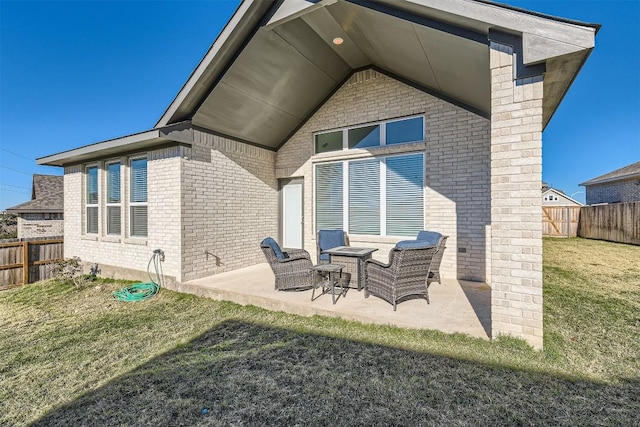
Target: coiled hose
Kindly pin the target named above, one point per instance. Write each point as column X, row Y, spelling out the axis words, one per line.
column 144, row 291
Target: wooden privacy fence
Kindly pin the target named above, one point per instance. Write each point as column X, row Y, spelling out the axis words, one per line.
column 616, row 222
column 28, row 261
column 560, row 221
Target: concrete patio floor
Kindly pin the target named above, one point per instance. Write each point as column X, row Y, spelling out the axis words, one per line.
column 456, row 305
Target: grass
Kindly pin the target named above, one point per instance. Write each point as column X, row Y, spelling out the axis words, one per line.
column 75, row 357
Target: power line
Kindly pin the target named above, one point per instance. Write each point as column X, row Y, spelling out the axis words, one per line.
column 15, row 186
column 15, row 154
column 15, row 170
column 14, row 191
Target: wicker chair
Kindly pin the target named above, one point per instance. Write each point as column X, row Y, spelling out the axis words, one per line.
column 328, row 239
column 292, row 268
column 405, row 274
column 440, row 241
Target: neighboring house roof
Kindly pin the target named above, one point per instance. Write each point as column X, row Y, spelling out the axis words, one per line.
column 274, row 63
column 46, row 185
column 47, row 196
column 628, row 172
column 562, row 195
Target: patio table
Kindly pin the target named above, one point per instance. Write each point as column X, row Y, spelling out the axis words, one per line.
column 329, row 281
column 352, row 258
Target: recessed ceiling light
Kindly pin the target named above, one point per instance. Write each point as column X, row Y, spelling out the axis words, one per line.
column 338, row 41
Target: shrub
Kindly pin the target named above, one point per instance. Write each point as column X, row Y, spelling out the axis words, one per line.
column 69, row 271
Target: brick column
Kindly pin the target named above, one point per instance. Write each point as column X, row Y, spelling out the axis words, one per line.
column 516, row 218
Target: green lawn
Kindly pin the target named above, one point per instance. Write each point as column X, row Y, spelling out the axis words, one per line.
column 76, row 357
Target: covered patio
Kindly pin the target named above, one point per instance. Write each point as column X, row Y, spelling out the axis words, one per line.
column 457, row 306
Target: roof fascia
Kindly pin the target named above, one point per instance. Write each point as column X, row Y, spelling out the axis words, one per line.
column 17, row 210
column 541, row 15
column 180, row 132
column 580, row 35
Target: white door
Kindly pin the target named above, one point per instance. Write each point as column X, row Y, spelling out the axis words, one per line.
column 292, row 219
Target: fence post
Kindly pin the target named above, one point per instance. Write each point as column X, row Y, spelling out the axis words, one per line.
column 25, row 263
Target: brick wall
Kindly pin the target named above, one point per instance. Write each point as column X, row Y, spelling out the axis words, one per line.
column 35, row 225
column 614, row 192
column 516, row 219
column 121, row 256
column 229, row 204
column 457, row 156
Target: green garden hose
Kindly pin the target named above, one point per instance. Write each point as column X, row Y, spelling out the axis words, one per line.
column 137, row 292
column 144, row 291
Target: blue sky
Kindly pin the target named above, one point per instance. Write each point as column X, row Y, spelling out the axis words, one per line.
column 74, row 73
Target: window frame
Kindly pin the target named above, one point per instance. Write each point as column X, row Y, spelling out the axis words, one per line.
column 87, row 205
column 132, row 204
column 383, row 134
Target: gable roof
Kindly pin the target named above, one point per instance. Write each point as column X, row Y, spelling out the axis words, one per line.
column 274, row 63
column 285, row 64
column 628, row 172
column 47, row 196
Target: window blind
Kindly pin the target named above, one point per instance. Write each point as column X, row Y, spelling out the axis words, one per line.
column 139, row 221
column 92, row 185
column 138, row 208
column 114, row 220
column 113, row 199
column 92, row 219
column 113, row 183
column 405, row 195
column 139, row 180
column 329, row 203
column 364, row 197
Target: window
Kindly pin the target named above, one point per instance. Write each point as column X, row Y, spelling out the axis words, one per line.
column 329, row 189
column 364, row 197
column 113, row 198
column 367, row 136
column 404, row 131
column 331, row 141
column 91, row 200
column 384, row 196
column 391, row 132
column 405, row 195
column 138, row 199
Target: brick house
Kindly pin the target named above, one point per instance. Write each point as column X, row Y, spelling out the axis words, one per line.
column 43, row 215
column 378, row 117
column 620, row 185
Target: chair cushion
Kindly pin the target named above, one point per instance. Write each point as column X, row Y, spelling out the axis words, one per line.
column 269, row 241
column 328, row 239
column 430, row 236
column 414, row 244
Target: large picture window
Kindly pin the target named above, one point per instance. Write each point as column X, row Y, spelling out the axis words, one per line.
column 400, row 131
column 138, row 198
column 91, row 200
column 114, row 216
column 384, row 196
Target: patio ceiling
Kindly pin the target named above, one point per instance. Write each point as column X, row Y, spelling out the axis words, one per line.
column 287, row 65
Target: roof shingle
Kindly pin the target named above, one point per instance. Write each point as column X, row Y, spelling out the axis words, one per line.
column 630, row 171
